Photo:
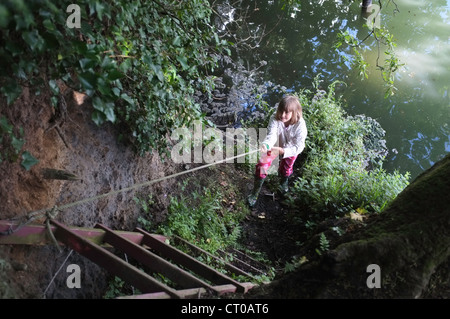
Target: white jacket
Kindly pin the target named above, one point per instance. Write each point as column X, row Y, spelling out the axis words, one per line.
column 291, row 138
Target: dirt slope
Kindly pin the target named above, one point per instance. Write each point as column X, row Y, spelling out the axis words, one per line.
column 100, row 162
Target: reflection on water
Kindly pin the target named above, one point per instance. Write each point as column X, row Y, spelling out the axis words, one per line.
column 420, row 149
column 416, row 118
column 423, row 42
column 299, row 46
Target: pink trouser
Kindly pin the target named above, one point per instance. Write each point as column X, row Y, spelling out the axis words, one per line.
column 285, row 169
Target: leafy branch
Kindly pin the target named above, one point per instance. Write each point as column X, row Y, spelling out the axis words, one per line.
column 140, row 62
column 382, row 37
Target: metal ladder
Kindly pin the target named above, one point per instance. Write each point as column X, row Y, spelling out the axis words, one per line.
column 101, row 244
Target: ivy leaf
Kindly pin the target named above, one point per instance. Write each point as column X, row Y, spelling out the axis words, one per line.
column 125, row 66
column 34, row 40
column 114, row 75
column 12, row 91
column 87, row 63
column 98, row 117
column 53, row 86
column 28, row 160
column 183, row 62
column 49, row 25
column 99, row 8
column 177, row 41
column 17, row 143
column 4, row 16
column 109, row 112
column 5, row 127
column 87, row 80
column 13, row 48
column 116, row 91
column 158, row 72
column 98, row 104
column 127, row 98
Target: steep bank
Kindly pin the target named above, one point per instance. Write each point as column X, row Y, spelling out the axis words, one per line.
column 409, row 242
column 101, row 164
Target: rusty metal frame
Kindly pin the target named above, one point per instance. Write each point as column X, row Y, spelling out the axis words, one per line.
column 151, row 250
column 36, row 234
column 189, row 262
column 229, row 267
column 111, row 262
column 154, row 262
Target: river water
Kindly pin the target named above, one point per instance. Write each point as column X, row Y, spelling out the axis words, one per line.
column 298, row 45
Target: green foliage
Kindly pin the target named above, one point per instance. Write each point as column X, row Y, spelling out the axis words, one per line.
column 5, row 289
column 391, row 61
column 202, row 220
column 139, row 61
column 28, row 160
column 357, row 59
column 296, row 262
column 206, row 216
column 324, row 244
column 385, row 43
column 11, row 144
column 341, row 170
column 291, row 6
column 117, row 287
column 145, row 204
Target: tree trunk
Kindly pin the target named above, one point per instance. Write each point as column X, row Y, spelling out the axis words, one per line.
column 366, row 7
column 366, row 3
column 408, row 241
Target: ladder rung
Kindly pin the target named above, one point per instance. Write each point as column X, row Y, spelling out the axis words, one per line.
column 238, row 262
column 228, row 266
column 37, row 234
column 257, row 264
column 150, row 250
column 110, row 262
column 186, row 293
column 152, row 261
column 172, row 253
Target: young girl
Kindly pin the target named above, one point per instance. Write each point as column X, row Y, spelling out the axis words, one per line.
column 287, row 129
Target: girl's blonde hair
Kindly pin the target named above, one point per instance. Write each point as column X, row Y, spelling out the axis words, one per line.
column 290, row 103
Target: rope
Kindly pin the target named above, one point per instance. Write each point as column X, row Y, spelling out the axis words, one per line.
column 11, row 230
column 51, row 215
column 57, row 272
column 34, row 214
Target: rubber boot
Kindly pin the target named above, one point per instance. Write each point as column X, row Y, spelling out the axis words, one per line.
column 257, row 185
column 284, row 184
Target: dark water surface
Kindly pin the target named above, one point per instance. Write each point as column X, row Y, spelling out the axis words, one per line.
column 298, row 45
